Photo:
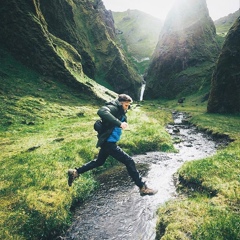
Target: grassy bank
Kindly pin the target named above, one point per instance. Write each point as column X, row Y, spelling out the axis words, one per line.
column 47, row 128
column 208, row 207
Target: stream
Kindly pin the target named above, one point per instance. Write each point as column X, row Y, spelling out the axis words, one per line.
column 118, row 212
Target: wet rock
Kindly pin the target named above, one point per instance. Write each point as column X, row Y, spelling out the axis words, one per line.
column 30, row 123
column 188, row 145
column 58, row 139
column 181, row 100
column 176, row 130
column 33, row 148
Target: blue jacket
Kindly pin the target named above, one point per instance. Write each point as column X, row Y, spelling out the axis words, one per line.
column 116, row 133
column 111, row 114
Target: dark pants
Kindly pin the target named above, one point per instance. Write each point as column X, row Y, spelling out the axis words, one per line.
column 111, row 149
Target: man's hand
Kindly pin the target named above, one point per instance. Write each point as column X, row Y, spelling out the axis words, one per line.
column 124, row 125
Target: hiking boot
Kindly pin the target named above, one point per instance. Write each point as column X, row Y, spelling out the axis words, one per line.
column 72, row 175
column 144, row 190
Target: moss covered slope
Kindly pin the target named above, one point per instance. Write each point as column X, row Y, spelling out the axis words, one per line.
column 186, row 52
column 67, row 39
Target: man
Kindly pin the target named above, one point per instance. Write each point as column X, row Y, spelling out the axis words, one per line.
column 114, row 120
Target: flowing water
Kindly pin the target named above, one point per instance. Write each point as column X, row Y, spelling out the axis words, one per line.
column 142, row 91
column 117, row 211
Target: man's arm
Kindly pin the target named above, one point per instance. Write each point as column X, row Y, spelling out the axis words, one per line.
column 105, row 113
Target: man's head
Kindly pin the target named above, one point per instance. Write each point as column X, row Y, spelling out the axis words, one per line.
column 125, row 100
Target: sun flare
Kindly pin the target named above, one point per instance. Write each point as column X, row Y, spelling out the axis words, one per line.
column 160, row 8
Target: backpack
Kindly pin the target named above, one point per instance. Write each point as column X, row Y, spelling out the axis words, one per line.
column 98, row 126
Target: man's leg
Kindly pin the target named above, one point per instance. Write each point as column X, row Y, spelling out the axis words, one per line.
column 102, row 156
column 74, row 173
column 116, row 152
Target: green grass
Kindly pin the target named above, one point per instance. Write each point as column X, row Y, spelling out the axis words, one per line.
column 47, row 128
column 146, row 132
column 209, row 188
column 36, row 198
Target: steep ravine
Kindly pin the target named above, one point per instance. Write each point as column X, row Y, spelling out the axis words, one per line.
column 117, row 211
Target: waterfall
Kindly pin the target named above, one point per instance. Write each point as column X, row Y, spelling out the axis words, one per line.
column 142, row 91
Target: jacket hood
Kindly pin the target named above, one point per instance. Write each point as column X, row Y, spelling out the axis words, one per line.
column 114, row 103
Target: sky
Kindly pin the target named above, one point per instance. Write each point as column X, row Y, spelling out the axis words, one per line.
column 160, row 8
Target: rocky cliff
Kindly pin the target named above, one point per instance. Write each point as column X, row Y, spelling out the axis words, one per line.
column 224, row 24
column 225, row 90
column 185, row 53
column 67, row 39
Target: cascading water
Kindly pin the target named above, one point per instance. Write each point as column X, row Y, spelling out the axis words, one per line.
column 142, row 90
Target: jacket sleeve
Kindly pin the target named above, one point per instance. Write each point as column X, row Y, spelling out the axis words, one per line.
column 106, row 115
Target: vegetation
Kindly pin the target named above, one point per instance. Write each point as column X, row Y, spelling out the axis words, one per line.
column 224, row 24
column 47, row 128
column 138, row 34
column 209, row 189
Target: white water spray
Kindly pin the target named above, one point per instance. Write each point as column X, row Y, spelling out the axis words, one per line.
column 142, row 91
